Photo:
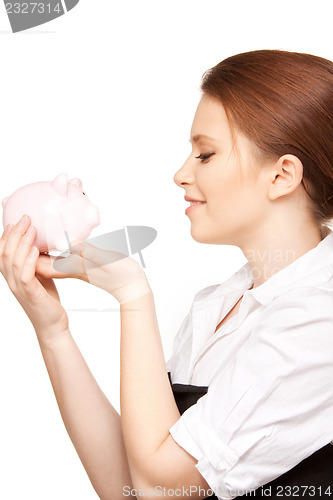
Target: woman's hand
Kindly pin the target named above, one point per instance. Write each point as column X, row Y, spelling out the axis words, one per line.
column 37, row 295
column 114, row 272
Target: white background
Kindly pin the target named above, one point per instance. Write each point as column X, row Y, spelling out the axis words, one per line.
column 107, row 93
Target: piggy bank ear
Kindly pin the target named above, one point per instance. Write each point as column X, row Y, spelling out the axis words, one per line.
column 60, row 184
column 76, row 181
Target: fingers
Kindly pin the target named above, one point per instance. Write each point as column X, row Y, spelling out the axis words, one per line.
column 45, row 267
column 27, row 267
column 3, row 242
column 15, row 248
column 11, row 243
column 4, row 237
column 71, row 266
column 96, row 255
column 84, row 257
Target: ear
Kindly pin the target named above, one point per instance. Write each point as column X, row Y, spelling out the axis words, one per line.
column 76, row 181
column 60, row 184
column 287, row 174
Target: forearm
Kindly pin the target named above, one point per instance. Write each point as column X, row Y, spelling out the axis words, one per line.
column 92, row 423
column 148, row 408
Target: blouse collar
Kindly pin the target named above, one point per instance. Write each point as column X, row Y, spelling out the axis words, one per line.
column 314, row 268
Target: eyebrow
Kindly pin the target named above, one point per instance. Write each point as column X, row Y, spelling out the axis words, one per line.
column 198, row 137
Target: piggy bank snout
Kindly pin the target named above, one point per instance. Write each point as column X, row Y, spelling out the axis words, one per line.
column 93, row 216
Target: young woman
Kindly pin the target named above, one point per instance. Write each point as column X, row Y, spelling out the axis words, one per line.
column 250, row 401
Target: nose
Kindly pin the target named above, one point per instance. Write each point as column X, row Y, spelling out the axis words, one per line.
column 184, row 175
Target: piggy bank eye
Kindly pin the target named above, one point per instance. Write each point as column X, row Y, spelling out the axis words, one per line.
column 83, row 192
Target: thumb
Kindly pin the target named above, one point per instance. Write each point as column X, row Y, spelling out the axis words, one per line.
column 95, row 256
column 49, row 286
column 49, row 266
column 67, row 267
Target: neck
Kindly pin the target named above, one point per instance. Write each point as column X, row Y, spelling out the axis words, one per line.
column 271, row 251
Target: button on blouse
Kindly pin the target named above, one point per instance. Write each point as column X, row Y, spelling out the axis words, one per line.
column 268, row 369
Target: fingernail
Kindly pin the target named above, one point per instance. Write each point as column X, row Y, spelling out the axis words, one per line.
column 8, row 229
column 33, row 252
column 30, row 230
column 23, row 220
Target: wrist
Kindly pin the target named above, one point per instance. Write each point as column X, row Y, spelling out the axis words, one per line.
column 134, row 290
column 48, row 337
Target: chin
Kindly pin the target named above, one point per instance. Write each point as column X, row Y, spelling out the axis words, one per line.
column 209, row 238
column 202, row 236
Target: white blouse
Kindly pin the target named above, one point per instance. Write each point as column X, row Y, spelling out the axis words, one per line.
column 269, row 372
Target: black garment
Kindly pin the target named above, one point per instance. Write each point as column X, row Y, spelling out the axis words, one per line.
column 310, row 479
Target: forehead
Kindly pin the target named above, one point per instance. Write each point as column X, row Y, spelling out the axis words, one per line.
column 210, row 120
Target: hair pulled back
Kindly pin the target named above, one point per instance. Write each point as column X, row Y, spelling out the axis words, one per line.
column 283, row 102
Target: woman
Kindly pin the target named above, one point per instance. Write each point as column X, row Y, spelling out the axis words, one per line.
column 252, row 363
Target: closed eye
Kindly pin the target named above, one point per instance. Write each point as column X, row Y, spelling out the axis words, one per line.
column 204, row 157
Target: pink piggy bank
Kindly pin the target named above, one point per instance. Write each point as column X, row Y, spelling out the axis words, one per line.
column 59, row 209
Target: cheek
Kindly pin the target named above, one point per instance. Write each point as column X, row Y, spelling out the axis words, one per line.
column 230, row 201
column 223, row 190
column 212, row 181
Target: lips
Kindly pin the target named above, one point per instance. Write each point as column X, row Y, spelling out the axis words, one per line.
column 194, row 207
column 187, row 198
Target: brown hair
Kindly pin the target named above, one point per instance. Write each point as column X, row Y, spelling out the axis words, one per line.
column 283, row 102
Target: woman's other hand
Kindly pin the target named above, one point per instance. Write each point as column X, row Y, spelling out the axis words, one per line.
column 37, row 294
column 118, row 274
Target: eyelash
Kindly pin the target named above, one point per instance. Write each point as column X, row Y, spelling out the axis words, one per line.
column 204, row 157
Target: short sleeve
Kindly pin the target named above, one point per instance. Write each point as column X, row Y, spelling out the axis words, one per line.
column 271, row 405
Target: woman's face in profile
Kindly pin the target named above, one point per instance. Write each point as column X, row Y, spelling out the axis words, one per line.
column 223, row 176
